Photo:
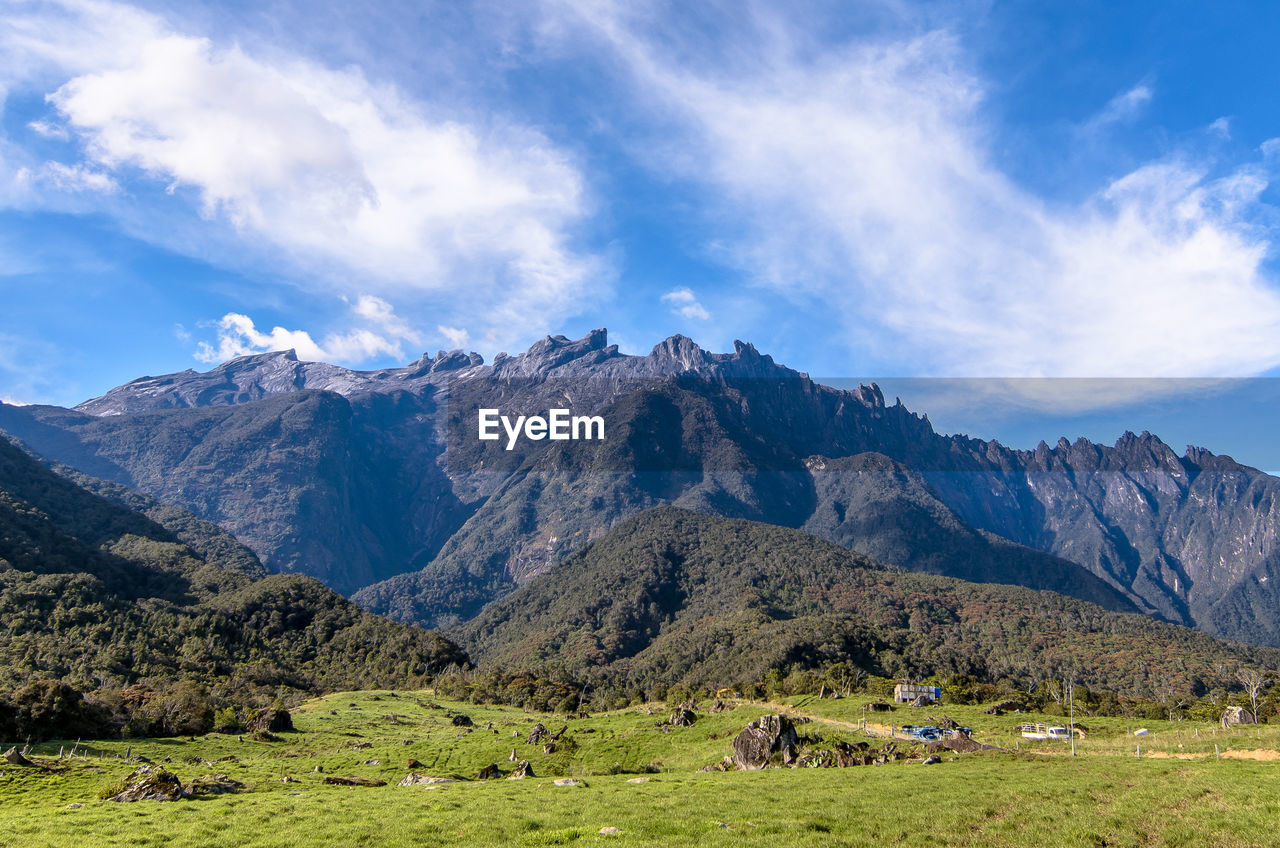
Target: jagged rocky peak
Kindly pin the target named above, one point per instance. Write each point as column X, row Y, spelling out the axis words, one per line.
column 455, row 360
column 680, row 349
column 1199, row 459
column 249, row 378
column 1146, row 449
column 557, row 354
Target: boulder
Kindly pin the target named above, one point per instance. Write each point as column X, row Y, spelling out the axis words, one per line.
column 521, row 771
column 932, row 760
column 489, row 772
column 214, row 784
column 537, row 734
column 270, row 721
column 759, row 740
column 14, row 758
column 461, row 720
column 413, row 764
column 150, row 783
column 569, row 781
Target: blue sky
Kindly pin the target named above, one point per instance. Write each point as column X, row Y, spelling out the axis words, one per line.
column 888, row 189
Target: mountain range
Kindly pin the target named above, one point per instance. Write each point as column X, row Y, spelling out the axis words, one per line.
column 374, row 482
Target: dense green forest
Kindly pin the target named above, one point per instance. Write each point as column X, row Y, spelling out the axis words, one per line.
column 111, row 621
column 675, row 598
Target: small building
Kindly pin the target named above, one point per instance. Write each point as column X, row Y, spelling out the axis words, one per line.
column 1237, row 715
column 905, row 693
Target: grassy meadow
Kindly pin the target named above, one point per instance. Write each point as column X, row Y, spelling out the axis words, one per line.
column 643, row 780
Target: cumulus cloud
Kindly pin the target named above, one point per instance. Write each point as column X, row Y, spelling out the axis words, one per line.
column 684, row 303
column 863, row 179
column 382, row 334
column 456, row 336
column 321, row 166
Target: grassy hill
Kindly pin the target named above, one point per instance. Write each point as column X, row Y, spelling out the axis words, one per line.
column 643, row 780
column 672, row 596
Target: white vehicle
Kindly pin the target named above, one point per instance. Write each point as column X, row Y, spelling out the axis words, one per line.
column 1044, row 731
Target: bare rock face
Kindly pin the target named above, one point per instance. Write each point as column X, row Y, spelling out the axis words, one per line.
column 762, row 738
column 150, row 783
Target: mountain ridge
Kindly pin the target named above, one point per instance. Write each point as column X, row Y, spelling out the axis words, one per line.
column 363, row 477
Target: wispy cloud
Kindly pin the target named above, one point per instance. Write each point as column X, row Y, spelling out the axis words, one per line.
column 382, row 333
column 320, row 168
column 1125, row 106
column 684, row 303
column 77, row 178
column 864, row 180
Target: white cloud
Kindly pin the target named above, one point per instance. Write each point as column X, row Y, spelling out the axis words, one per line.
column 865, row 181
column 683, row 302
column 77, row 178
column 457, row 337
column 1123, row 107
column 49, row 130
column 321, row 168
column 382, row 335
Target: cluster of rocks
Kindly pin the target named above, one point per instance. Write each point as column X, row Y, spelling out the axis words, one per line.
column 764, row 737
column 684, row 716
column 772, row 740
column 153, row 783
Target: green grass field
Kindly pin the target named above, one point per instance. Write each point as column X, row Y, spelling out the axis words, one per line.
column 1038, row 796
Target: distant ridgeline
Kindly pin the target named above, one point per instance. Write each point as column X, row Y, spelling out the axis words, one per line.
column 162, row 617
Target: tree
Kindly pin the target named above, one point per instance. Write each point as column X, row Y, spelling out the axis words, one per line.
column 1253, row 682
